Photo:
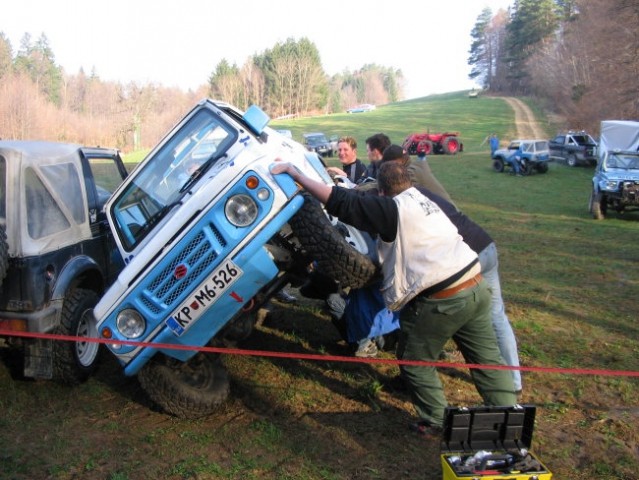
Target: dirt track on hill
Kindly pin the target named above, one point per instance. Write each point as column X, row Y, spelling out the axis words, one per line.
column 525, row 122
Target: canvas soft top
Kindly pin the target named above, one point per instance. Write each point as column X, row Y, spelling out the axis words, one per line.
column 42, row 196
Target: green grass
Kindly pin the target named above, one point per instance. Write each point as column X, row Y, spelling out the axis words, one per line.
column 454, row 112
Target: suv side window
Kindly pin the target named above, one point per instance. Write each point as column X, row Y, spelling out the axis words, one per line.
column 71, row 195
column 106, row 177
column 43, row 214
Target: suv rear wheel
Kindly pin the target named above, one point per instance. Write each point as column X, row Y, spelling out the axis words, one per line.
column 73, row 362
column 571, row 161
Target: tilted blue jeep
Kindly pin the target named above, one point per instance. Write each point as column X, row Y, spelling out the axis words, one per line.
column 208, row 235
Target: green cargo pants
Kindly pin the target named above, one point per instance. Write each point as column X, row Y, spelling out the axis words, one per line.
column 427, row 324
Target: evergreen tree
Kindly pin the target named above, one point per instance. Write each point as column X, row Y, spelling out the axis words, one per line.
column 531, row 22
column 481, row 53
column 38, row 62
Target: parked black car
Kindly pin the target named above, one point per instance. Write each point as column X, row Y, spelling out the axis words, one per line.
column 574, row 148
column 318, row 143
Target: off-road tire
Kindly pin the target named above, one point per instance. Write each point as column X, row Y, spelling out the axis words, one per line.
column 4, row 254
column 571, row 161
column 74, row 362
column 498, row 165
column 541, row 167
column 324, row 244
column 598, row 213
column 192, row 389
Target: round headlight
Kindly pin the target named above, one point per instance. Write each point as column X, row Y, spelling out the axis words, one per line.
column 130, row 323
column 241, row 210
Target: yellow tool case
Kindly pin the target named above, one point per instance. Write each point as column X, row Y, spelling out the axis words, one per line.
column 490, row 443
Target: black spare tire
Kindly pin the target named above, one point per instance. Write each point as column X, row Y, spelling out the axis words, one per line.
column 4, row 254
column 339, row 250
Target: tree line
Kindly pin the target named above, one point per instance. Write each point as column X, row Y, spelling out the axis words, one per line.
column 39, row 100
column 578, row 58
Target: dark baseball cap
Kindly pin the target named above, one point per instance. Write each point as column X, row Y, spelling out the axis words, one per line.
column 394, row 152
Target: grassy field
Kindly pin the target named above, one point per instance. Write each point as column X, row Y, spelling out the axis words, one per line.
column 570, row 284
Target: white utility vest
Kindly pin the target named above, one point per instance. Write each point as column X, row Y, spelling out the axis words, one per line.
column 427, row 250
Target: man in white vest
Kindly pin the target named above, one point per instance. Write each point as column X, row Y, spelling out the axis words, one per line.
column 429, row 273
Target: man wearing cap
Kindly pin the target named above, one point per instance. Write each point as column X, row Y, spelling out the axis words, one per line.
column 419, row 171
column 429, row 273
column 482, row 243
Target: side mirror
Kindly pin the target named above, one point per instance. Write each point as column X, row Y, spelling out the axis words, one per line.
column 256, row 119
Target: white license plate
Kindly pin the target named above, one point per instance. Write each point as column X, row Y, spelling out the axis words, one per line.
column 203, row 297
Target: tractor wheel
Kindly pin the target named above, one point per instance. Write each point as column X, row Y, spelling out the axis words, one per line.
column 425, row 147
column 450, row 145
column 410, row 146
column 498, row 165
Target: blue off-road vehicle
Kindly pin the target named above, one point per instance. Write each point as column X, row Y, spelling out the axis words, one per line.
column 208, row 235
column 532, row 155
column 615, row 184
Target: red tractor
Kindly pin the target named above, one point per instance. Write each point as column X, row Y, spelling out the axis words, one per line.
column 431, row 143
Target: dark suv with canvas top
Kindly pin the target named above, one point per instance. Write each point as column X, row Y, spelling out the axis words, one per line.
column 57, row 254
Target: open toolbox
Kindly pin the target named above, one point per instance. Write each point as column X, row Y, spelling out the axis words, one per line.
column 490, row 443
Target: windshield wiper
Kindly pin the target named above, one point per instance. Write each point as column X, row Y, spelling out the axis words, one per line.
column 200, row 171
column 156, row 217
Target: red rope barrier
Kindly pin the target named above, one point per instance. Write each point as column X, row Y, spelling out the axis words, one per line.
column 323, row 358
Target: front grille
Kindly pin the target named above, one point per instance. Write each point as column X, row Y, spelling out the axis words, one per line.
column 197, row 256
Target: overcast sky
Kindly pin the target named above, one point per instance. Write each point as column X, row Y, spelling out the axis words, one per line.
column 179, row 42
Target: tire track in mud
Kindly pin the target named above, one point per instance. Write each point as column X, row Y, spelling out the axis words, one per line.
column 525, row 121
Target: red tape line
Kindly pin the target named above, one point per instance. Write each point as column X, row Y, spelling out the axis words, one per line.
column 323, row 358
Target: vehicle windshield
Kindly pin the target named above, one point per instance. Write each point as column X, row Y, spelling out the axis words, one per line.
column 163, row 179
column 584, row 139
column 316, row 140
column 627, row 161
